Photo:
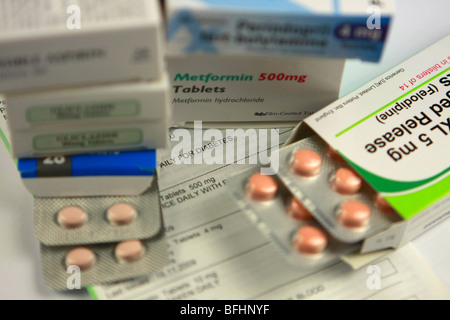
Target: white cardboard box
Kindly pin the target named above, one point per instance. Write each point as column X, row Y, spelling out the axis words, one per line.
column 65, row 186
column 72, row 42
column 118, row 137
column 395, row 132
column 221, row 88
column 90, row 106
column 319, row 28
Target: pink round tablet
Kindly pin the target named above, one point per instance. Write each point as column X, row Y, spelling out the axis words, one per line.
column 310, row 240
column 382, row 204
column 306, row 163
column 129, row 251
column 298, row 211
column 346, row 181
column 82, row 257
column 121, row 214
column 354, row 214
column 261, row 187
column 72, row 217
column 333, row 155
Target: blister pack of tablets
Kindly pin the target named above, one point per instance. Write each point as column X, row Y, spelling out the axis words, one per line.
column 106, row 238
column 89, row 220
column 103, row 263
column 333, row 192
column 286, row 222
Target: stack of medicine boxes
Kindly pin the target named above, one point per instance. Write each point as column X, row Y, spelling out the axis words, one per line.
column 88, row 95
column 266, row 61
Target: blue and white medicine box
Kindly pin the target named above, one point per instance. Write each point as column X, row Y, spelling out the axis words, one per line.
column 105, row 174
column 320, row 28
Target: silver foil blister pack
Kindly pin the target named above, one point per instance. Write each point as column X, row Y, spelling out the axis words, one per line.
column 273, row 218
column 97, row 228
column 326, row 204
column 106, row 268
column 101, row 251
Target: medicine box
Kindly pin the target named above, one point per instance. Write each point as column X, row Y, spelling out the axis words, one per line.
column 67, row 43
column 221, row 88
column 118, row 173
column 107, row 174
column 115, row 117
column 119, row 137
column 395, row 132
column 321, row 28
column 90, row 105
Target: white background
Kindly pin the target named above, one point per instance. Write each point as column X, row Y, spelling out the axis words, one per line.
column 417, row 25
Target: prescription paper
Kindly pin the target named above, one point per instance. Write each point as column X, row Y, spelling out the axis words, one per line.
column 217, row 253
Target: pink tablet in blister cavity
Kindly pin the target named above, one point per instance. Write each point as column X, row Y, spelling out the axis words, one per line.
column 346, row 181
column 261, row 187
column 354, row 214
column 298, row 211
column 129, row 251
column 306, row 163
column 72, row 217
column 82, row 257
column 310, row 240
column 121, row 214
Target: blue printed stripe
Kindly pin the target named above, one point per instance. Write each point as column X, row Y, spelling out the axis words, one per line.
column 135, row 163
column 120, row 164
column 27, row 168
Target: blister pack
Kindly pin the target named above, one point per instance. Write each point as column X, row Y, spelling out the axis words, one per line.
column 102, row 263
column 286, row 222
column 89, row 220
column 333, row 192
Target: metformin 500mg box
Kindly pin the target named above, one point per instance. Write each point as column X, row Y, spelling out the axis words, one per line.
column 223, row 88
column 395, row 132
column 71, row 42
column 320, row 28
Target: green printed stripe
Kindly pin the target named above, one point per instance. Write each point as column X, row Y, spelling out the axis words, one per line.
column 414, row 202
column 5, row 141
column 7, row 145
column 389, row 186
column 390, row 103
column 411, row 204
column 92, row 292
